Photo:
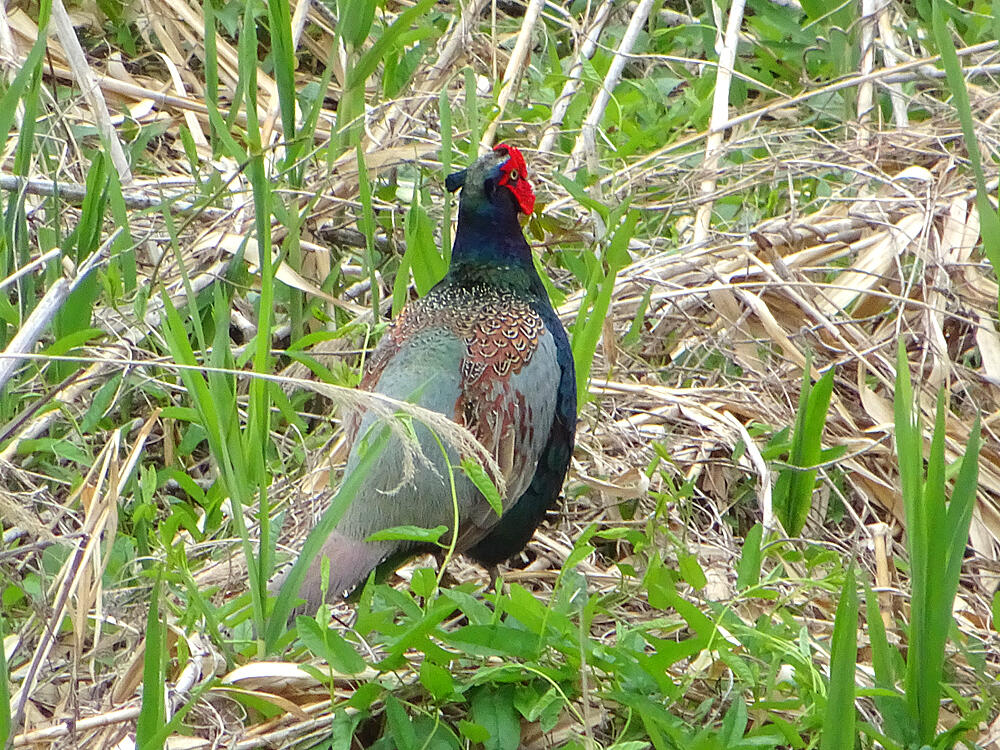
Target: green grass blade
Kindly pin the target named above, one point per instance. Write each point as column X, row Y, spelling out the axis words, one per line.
column 221, row 128
column 794, row 490
column 895, row 714
column 988, row 216
column 196, row 385
column 26, row 145
column 473, row 122
column 16, row 89
column 444, row 113
column 5, row 720
column 283, row 59
column 211, row 62
column 372, row 57
column 356, row 17
column 216, row 408
column 315, row 109
column 948, row 551
column 367, row 224
column 838, row 724
column 807, row 450
column 152, row 712
column 909, row 450
column 959, row 516
column 581, row 196
column 256, row 437
column 590, row 324
column 937, row 534
column 926, row 652
column 123, row 246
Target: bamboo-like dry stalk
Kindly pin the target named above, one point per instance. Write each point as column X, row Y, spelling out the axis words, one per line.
column 726, row 48
column 91, row 90
column 585, row 148
column 890, row 53
column 586, row 50
column 515, row 69
column 866, row 91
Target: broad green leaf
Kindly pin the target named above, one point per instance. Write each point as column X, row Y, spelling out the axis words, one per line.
column 329, row 644
column 400, row 725
column 691, row 571
column 478, row 476
column 423, row 582
column 408, row 533
column 734, row 723
column 493, row 709
column 748, row 567
column 494, row 640
column 473, row 732
column 437, row 680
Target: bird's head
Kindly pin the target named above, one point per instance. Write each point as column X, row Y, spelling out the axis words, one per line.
column 498, row 177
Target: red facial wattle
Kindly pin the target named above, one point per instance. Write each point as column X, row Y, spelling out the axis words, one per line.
column 514, row 176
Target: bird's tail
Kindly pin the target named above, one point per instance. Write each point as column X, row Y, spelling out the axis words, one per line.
column 350, row 563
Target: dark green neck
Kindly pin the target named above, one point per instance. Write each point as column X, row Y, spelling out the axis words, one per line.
column 490, row 234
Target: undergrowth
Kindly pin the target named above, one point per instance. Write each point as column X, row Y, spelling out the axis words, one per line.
column 193, row 280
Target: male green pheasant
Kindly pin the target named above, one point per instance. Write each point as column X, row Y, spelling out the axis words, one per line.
column 485, row 348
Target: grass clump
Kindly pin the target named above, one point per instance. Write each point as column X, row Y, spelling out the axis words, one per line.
column 739, row 220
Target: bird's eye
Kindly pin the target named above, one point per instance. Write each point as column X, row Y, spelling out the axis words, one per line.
column 512, row 175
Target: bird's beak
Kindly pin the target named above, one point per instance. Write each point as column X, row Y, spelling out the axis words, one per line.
column 455, row 180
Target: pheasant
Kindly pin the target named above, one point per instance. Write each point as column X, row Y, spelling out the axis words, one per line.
column 485, row 348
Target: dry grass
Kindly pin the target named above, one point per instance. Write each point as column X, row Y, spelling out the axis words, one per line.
column 886, row 254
